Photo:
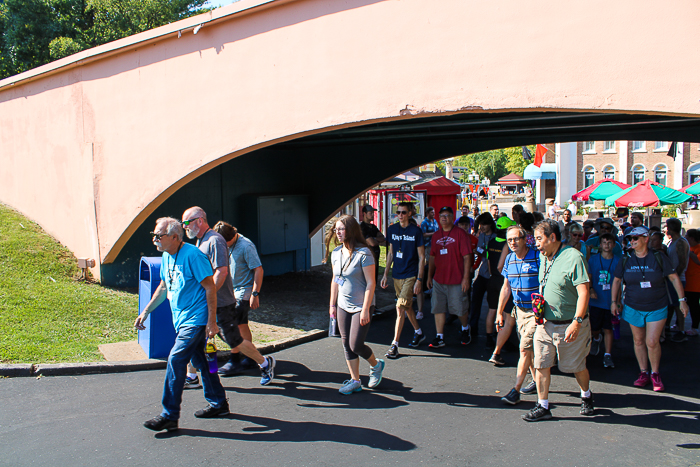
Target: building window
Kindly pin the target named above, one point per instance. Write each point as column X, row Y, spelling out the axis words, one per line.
column 694, row 173
column 638, row 173
column 660, row 174
column 609, row 172
column 660, row 146
column 589, row 147
column 609, row 146
column 639, row 146
column 588, row 176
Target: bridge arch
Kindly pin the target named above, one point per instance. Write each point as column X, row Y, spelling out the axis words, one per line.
column 112, row 134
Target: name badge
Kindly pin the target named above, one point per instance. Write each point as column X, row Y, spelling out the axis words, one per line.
column 594, row 250
column 646, row 285
column 339, row 280
column 399, row 254
column 606, row 286
column 443, row 251
column 480, row 250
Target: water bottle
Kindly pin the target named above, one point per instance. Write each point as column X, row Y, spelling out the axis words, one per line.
column 332, row 326
column 616, row 326
column 211, row 356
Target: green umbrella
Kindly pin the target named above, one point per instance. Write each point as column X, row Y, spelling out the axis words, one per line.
column 647, row 193
column 600, row 190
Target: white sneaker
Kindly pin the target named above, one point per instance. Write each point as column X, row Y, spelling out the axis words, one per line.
column 419, row 315
column 375, row 374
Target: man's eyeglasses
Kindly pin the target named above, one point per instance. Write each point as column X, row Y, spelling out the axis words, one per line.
column 401, row 212
column 515, row 239
column 189, row 221
column 158, row 236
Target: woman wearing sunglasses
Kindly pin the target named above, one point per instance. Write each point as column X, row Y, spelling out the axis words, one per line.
column 352, row 289
column 645, row 302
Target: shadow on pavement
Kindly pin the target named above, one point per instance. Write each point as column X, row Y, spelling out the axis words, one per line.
column 279, row 431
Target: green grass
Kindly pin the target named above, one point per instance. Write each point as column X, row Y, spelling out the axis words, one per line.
column 46, row 314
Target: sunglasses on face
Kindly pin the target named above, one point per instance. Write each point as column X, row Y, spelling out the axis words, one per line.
column 157, row 236
column 401, row 212
column 576, row 235
column 189, row 221
column 635, row 238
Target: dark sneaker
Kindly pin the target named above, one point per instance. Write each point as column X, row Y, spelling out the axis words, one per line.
column 231, row 368
column 678, row 337
column 512, row 398
column 417, row 339
column 537, row 413
column 248, row 364
column 160, row 423
column 213, row 412
column 393, row 351
column 467, row 337
column 490, row 341
column 587, row 405
column 529, row 389
column 268, row 373
column 595, row 346
column 437, row 343
column 192, row 383
column 608, row 361
column 497, row 360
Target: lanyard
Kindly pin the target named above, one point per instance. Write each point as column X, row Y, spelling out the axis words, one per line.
column 609, row 266
column 643, row 271
column 171, row 271
column 442, row 235
column 543, row 284
column 343, row 266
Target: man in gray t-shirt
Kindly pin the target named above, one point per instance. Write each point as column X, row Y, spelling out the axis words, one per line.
column 213, row 245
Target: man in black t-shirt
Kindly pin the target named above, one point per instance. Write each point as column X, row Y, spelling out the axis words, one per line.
column 373, row 237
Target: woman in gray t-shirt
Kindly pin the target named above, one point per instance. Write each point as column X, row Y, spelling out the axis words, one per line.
column 352, row 289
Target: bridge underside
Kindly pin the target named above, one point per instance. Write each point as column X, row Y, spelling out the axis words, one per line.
column 332, row 168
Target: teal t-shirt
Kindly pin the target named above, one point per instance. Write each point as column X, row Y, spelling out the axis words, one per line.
column 563, row 274
column 182, row 274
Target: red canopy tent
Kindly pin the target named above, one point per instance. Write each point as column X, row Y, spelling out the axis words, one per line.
column 512, row 179
column 441, row 192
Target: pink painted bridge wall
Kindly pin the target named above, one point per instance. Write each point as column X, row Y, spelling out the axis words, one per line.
column 90, row 145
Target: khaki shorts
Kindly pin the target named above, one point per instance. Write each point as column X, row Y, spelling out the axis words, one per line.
column 525, row 322
column 404, row 291
column 549, row 344
column 449, row 298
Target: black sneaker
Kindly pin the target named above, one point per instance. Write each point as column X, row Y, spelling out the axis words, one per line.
column 393, row 351
column 417, row 339
column 529, row 389
column 231, row 368
column 512, row 398
column 192, row 383
column 678, row 337
column 467, row 337
column 211, row 412
column 160, row 423
column 497, row 360
column 490, row 340
column 587, row 406
column 537, row 413
column 595, row 345
column 437, row 343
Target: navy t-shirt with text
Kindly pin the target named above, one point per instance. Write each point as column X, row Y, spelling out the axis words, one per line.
column 404, row 244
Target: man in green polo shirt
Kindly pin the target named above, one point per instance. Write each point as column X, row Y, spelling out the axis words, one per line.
column 566, row 332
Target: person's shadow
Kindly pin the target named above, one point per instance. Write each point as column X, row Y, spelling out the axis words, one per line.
column 271, row 430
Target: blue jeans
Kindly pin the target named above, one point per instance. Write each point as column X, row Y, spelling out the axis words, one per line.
column 189, row 345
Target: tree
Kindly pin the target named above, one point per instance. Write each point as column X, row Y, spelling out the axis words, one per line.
column 492, row 164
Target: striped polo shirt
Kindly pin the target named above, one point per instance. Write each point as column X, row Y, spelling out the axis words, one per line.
column 523, row 276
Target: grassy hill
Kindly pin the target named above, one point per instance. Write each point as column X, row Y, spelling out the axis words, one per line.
column 46, row 314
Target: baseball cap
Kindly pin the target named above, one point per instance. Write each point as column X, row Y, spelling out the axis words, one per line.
column 446, row 208
column 502, row 225
column 368, row 208
column 640, row 231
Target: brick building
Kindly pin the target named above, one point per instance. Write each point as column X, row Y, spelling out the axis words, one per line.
column 633, row 161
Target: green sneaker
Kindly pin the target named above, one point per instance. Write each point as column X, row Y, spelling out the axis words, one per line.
column 350, row 386
column 375, row 374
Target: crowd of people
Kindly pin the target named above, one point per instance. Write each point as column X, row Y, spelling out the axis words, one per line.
column 561, row 285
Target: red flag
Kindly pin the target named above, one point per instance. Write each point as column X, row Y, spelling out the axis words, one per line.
column 539, row 155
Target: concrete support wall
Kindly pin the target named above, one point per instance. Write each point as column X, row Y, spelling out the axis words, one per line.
column 566, row 157
column 623, row 169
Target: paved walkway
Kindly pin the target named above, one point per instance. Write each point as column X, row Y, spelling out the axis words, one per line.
column 433, row 407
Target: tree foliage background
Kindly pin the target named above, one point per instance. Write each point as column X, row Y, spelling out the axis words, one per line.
column 36, row 32
column 492, row 164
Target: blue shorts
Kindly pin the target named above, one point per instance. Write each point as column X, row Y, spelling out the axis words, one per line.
column 641, row 318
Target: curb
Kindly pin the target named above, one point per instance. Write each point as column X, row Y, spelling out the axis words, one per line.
column 86, row 368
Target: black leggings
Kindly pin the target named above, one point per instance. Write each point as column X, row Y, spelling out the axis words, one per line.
column 694, row 305
column 353, row 335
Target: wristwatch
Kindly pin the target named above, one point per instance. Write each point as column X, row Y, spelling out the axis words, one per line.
column 684, row 299
column 255, row 294
column 578, row 320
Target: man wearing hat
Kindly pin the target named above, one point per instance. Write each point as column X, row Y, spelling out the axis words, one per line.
column 602, row 226
column 448, row 274
column 374, row 239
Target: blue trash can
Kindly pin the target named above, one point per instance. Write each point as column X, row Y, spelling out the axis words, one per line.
column 159, row 336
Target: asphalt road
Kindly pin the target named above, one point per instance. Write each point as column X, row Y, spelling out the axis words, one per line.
column 433, row 407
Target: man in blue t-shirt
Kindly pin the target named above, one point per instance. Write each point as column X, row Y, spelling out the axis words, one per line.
column 186, row 280
column 521, row 274
column 602, row 226
column 601, row 268
column 407, row 255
